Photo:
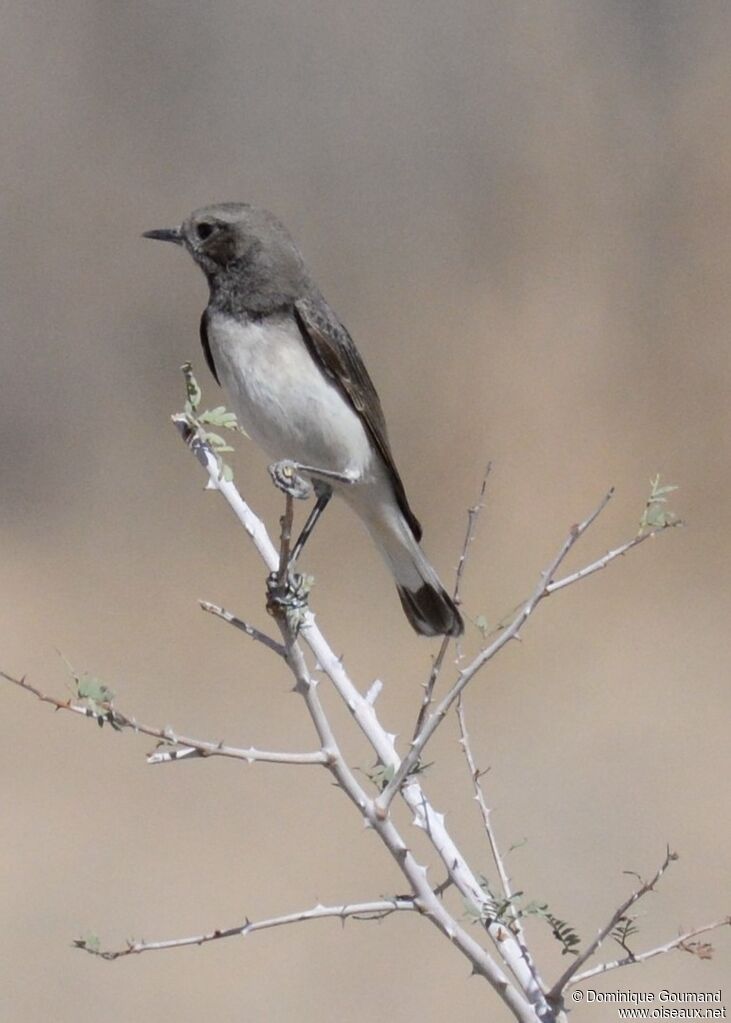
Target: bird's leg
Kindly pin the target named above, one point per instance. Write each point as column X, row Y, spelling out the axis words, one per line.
column 326, row 474
column 324, row 493
column 287, row 591
column 286, row 476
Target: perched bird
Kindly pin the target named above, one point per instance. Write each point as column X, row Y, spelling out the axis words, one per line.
column 300, row 389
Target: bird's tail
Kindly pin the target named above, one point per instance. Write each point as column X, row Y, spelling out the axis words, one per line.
column 431, row 610
column 428, row 606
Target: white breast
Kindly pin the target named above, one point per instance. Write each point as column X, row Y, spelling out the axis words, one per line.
column 282, row 399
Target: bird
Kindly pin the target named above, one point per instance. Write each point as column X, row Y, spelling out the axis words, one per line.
column 300, row 388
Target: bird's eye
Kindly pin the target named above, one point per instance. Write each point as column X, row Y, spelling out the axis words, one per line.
column 204, row 230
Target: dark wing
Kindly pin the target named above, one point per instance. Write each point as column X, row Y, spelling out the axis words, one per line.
column 207, row 346
column 332, row 348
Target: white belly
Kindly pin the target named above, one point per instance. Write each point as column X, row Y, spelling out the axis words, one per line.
column 281, row 398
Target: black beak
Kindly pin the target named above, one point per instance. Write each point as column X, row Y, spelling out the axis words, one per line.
column 165, row 234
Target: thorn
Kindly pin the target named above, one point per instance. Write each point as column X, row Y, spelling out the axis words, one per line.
column 374, row 691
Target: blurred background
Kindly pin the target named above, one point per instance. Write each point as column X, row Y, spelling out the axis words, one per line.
column 522, row 212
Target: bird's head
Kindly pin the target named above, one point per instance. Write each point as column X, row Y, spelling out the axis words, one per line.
column 243, row 250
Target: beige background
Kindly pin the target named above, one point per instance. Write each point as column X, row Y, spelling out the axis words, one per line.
column 521, row 210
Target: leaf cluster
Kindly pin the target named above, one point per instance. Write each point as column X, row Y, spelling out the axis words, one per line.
column 507, row 911
column 199, row 421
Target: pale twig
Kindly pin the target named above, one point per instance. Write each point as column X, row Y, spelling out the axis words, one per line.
column 507, row 889
column 594, row 566
column 602, row 562
column 375, row 910
column 238, row 623
column 374, row 691
column 188, row 747
column 641, row 957
column 472, row 516
column 251, row 755
column 485, row 811
column 593, row 946
column 433, row 721
column 251, row 523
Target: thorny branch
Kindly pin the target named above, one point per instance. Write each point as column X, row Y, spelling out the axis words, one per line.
column 682, row 942
column 375, row 910
column 545, row 588
column 621, row 911
column 176, row 746
column 238, row 623
column 472, row 516
column 475, row 775
column 610, row 556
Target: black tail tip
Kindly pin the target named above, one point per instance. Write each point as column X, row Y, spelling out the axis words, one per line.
column 431, row 611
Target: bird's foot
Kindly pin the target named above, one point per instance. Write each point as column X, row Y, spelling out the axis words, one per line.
column 285, row 476
column 288, row 598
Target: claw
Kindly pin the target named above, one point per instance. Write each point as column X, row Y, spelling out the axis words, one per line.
column 285, row 476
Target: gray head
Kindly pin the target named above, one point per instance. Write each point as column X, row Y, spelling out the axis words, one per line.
column 250, row 261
